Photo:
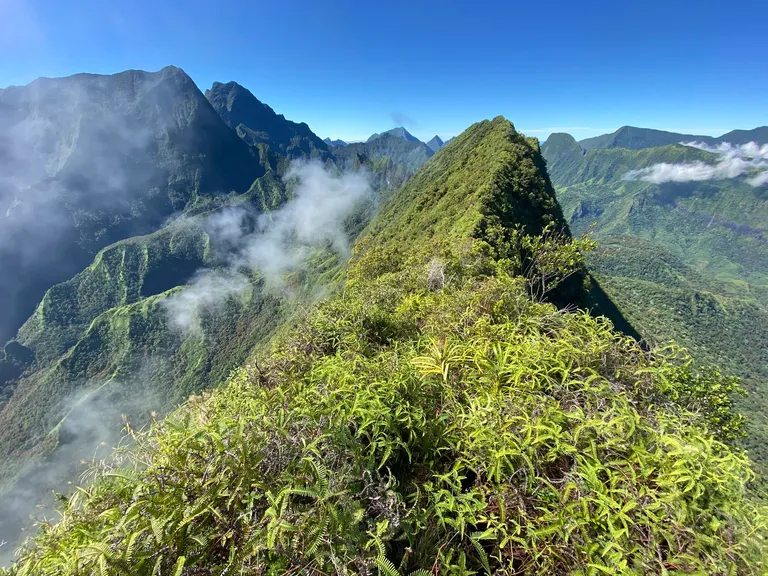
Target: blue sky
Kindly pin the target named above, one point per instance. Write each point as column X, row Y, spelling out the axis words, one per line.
column 352, row 68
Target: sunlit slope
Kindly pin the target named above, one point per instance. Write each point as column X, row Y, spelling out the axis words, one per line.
column 432, row 416
column 684, row 261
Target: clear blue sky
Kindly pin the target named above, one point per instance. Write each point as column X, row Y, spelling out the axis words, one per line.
column 350, row 68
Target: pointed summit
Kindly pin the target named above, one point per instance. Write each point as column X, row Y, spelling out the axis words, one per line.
column 399, row 132
column 435, row 144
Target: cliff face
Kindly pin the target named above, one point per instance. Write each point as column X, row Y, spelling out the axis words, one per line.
column 88, row 160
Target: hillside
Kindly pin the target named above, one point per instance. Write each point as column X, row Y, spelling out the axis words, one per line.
column 685, row 261
column 88, row 160
column 101, row 342
column 435, row 415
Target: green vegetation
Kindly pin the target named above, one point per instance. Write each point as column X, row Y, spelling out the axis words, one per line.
column 100, row 343
column 435, row 416
column 685, row 262
column 123, row 153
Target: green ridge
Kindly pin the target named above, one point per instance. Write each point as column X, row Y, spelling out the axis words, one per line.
column 685, row 262
column 434, row 417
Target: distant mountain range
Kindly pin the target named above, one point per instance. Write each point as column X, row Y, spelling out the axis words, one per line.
column 435, row 144
column 684, row 254
column 399, row 132
column 633, row 138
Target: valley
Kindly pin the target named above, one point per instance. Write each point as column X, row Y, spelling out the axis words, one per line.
column 262, row 346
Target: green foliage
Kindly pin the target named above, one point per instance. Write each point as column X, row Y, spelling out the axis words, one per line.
column 480, row 431
column 685, row 262
column 413, row 426
column 709, row 394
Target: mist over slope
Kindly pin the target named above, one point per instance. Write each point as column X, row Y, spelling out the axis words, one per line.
column 102, row 318
column 165, row 238
column 436, row 413
column 88, row 160
column 633, row 138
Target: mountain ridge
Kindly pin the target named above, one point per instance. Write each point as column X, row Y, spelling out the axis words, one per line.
column 255, row 122
column 465, row 297
column 151, row 140
column 399, row 413
column 634, row 138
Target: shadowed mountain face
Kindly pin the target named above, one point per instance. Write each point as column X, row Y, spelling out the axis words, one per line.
column 257, row 123
column 88, row 159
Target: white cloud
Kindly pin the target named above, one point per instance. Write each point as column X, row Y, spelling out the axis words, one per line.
column 733, row 161
column 274, row 242
column 208, row 290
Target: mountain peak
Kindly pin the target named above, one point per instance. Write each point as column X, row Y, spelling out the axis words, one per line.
column 335, row 143
column 436, row 143
column 398, row 132
column 257, row 123
column 560, row 144
column 237, row 105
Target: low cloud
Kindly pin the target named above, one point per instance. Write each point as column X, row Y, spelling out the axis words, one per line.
column 208, row 291
column 91, row 424
column 733, row 162
column 275, row 242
